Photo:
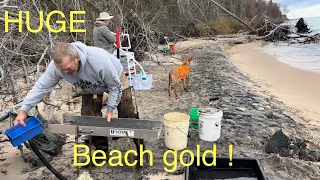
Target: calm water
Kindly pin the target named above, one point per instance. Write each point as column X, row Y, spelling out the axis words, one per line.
column 304, row 56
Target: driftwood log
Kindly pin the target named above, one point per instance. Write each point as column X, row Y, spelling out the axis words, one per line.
column 4, row 114
column 282, row 32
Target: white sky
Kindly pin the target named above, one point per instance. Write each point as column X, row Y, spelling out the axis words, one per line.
column 302, row 8
column 295, row 12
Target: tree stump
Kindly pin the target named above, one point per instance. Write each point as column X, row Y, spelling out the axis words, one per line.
column 126, row 108
column 91, row 106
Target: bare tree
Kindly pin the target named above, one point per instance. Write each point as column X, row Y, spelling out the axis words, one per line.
column 24, row 55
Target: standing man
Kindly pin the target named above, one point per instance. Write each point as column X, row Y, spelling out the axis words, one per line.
column 92, row 69
column 102, row 36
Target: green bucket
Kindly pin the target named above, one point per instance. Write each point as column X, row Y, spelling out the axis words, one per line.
column 194, row 117
column 166, row 48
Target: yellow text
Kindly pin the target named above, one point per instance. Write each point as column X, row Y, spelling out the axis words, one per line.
column 115, row 157
column 48, row 21
column 172, row 165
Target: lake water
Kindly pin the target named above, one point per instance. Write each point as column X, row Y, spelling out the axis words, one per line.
column 304, row 56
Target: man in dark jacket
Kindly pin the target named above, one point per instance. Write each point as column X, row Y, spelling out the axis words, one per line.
column 102, row 36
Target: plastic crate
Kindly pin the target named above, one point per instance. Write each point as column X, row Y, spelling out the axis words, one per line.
column 242, row 168
column 19, row 134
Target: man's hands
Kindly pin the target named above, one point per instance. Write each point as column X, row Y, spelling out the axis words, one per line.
column 109, row 116
column 22, row 115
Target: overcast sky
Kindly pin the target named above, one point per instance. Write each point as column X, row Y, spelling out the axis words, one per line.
column 301, row 8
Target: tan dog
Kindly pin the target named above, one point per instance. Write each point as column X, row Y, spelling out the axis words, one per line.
column 180, row 73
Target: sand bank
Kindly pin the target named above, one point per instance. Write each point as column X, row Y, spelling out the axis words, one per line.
column 295, row 87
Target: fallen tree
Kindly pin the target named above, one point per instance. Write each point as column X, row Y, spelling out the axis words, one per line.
column 224, row 9
column 288, row 33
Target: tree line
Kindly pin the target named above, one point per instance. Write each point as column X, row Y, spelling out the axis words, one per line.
column 22, row 54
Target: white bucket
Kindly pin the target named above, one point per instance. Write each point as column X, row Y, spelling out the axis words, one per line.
column 209, row 124
column 176, row 130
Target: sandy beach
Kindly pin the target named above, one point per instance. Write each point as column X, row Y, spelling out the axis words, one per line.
column 251, row 116
column 295, row 87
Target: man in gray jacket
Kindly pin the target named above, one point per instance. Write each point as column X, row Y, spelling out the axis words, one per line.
column 102, row 36
column 91, row 68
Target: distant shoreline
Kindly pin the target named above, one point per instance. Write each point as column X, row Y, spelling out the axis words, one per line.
column 295, row 87
column 302, row 56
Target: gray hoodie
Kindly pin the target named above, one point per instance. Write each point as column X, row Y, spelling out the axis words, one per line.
column 99, row 72
column 102, row 36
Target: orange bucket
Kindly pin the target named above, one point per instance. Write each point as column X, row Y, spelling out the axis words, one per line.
column 173, row 48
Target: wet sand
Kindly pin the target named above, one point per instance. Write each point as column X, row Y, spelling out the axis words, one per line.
column 295, row 87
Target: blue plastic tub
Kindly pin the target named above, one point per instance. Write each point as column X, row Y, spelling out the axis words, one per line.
column 19, row 134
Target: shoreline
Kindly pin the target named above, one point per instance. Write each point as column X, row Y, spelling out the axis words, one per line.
column 246, row 123
column 296, row 88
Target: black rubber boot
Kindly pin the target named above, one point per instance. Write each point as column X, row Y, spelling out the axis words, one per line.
column 101, row 143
